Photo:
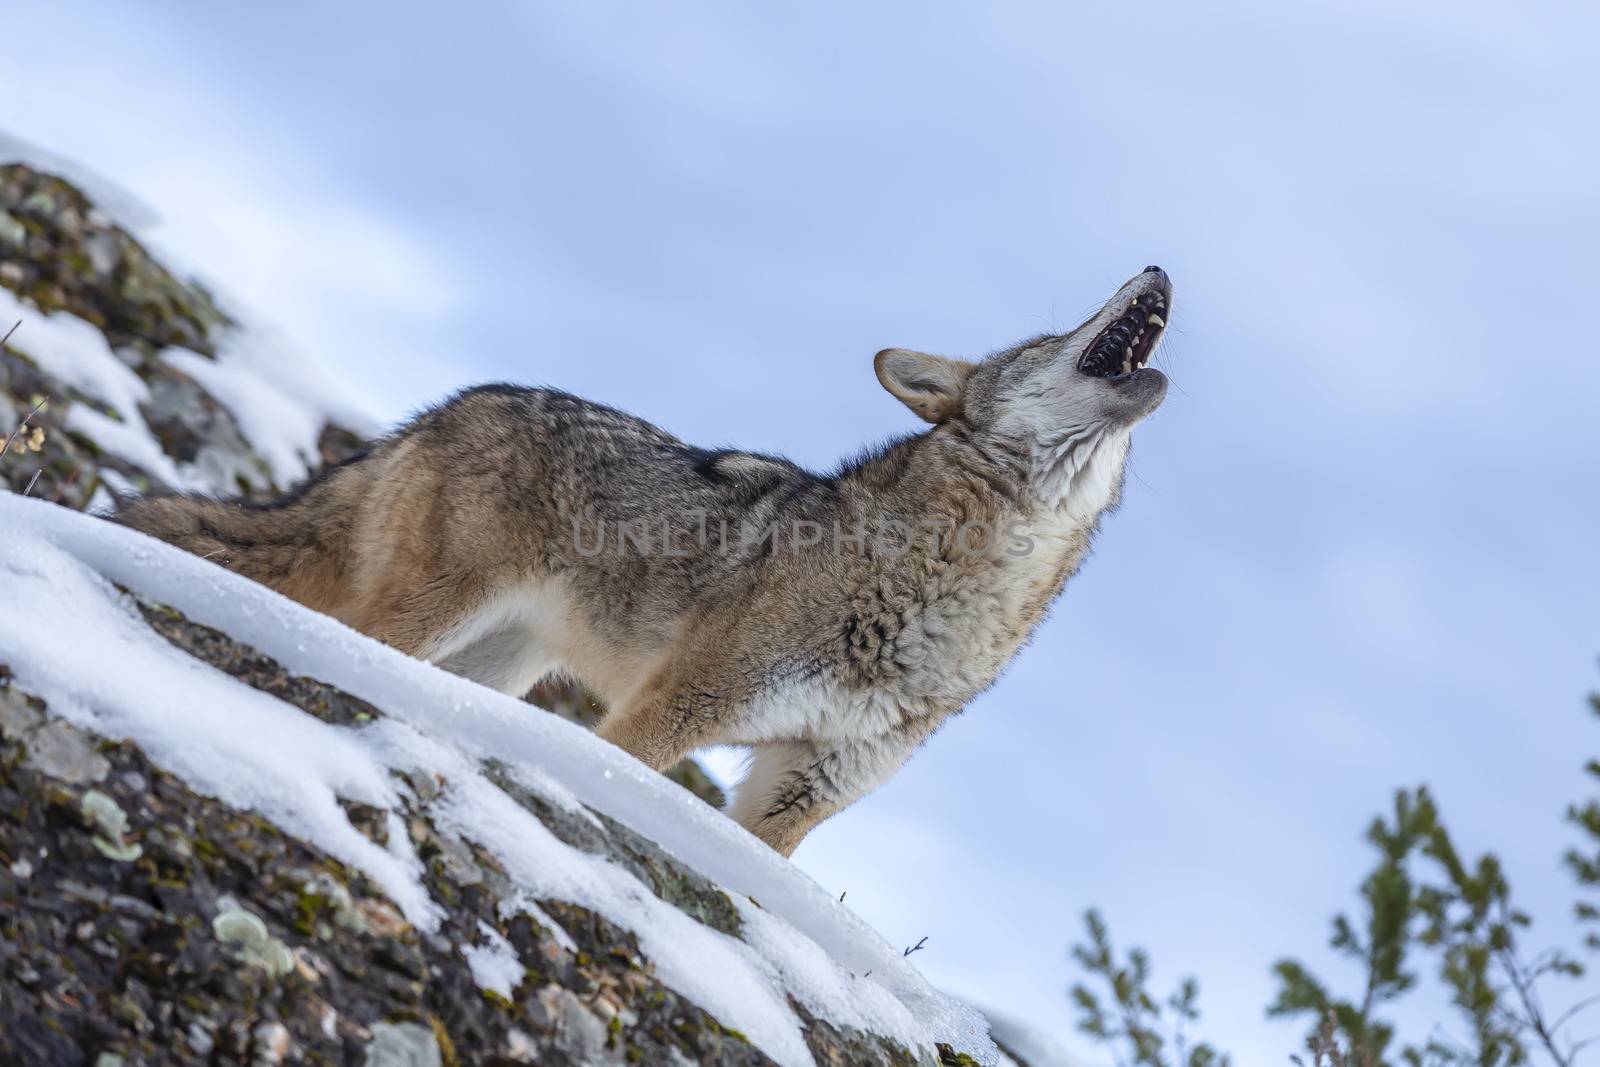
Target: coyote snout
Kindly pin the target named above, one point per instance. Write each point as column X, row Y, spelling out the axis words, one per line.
column 853, row 613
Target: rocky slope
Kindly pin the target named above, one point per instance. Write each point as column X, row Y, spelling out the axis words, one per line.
column 149, row 920
column 153, row 924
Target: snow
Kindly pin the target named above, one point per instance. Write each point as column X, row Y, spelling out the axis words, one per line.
column 282, row 430
column 129, row 441
column 113, row 480
column 1034, row 1046
column 533, row 910
column 273, row 361
column 69, row 349
column 250, row 377
column 59, row 610
column 494, row 963
column 280, row 399
column 58, row 576
column 66, row 347
column 101, row 502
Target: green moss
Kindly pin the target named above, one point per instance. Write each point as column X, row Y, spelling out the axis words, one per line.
column 308, row 908
column 447, row 1048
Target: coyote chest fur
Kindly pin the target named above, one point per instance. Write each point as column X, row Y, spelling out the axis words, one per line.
column 830, row 623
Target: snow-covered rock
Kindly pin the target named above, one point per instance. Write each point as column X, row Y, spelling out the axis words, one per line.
column 237, row 830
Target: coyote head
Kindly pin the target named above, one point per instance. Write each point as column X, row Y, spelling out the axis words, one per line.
column 1058, row 397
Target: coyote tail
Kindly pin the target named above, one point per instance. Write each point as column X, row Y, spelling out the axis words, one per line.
column 299, row 545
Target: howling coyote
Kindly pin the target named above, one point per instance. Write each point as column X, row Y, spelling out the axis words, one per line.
column 828, row 622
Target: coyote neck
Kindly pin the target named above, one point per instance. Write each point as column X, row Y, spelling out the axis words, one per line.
column 951, row 474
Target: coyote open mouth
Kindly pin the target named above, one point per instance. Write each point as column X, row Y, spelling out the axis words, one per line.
column 1127, row 343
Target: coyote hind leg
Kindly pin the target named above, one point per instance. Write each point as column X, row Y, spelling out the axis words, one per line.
column 420, row 619
column 660, row 731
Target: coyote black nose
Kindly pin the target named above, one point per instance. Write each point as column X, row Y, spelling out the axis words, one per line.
column 1153, row 270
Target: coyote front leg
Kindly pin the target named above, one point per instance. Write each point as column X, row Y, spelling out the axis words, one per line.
column 794, row 785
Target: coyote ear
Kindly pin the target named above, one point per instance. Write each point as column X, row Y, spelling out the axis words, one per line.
column 929, row 385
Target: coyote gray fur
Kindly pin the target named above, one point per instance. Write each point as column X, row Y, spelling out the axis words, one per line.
column 829, row 623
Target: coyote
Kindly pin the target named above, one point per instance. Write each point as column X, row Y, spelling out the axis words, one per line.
column 830, row 623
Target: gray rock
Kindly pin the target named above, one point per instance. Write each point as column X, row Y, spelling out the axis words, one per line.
column 103, row 251
column 578, row 1031
column 271, row 1044
column 18, row 716
column 194, row 429
column 87, row 893
column 459, row 865
column 520, row 1048
column 123, row 902
column 65, row 752
column 403, row 1045
column 199, row 1039
column 40, row 204
column 12, row 232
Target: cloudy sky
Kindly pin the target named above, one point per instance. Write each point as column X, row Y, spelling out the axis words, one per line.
column 1357, row 549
